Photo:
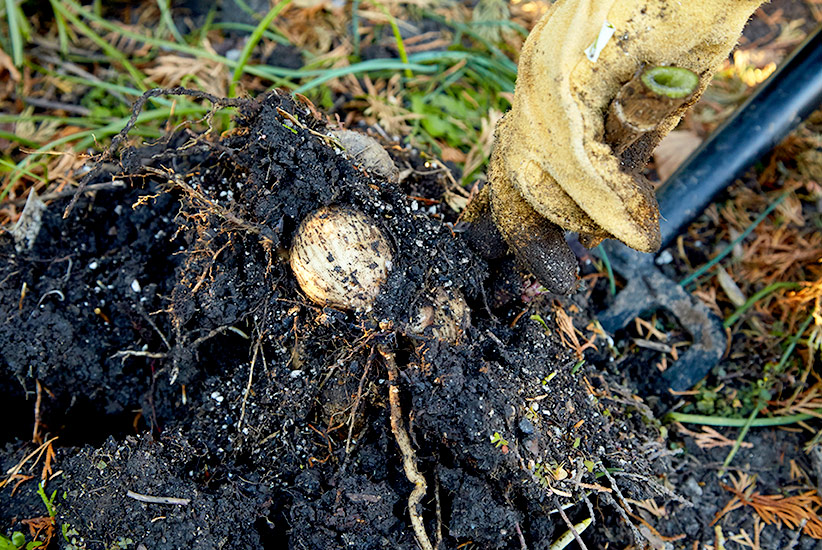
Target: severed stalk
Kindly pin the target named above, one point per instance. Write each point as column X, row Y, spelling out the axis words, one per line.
column 650, row 97
column 632, row 131
column 552, row 148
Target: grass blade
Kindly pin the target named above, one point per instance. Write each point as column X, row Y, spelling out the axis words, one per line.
column 138, row 77
column 705, row 420
column 11, row 136
column 355, row 27
column 500, row 23
column 740, row 311
column 752, row 421
column 252, row 42
column 62, row 32
column 13, row 18
column 363, row 67
column 741, row 437
column 397, row 37
column 608, row 269
column 269, row 34
column 248, row 10
column 272, row 74
column 168, row 21
column 88, row 137
column 466, row 29
column 761, row 405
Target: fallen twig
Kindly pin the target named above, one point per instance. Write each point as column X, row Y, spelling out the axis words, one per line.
column 150, row 499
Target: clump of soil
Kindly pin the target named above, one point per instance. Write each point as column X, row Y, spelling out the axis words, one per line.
column 161, row 335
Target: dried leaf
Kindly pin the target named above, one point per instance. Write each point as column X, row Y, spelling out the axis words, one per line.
column 673, row 150
column 28, row 226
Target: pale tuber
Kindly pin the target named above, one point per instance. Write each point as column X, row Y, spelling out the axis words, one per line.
column 340, row 258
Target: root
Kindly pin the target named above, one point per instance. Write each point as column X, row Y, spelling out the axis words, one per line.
column 438, row 533
column 656, row 487
column 247, row 392
column 522, row 544
column 135, row 112
column 615, row 487
column 409, row 460
column 568, row 523
column 356, row 406
column 208, row 205
column 125, row 354
column 638, row 538
column 622, row 507
column 35, row 436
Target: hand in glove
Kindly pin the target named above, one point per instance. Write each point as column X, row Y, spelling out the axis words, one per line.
column 568, row 154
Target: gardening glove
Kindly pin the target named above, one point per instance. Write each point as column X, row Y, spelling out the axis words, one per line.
column 568, row 153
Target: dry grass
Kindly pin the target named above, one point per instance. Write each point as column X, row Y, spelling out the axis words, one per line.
column 798, row 511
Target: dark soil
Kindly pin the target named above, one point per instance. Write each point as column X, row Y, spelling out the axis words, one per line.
column 180, row 359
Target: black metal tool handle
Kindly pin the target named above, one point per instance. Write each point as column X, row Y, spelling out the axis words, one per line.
column 779, row 105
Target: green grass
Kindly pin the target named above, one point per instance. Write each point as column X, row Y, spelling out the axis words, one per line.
column 18, row 29
column 60, row 7
column 167, row 20
column 252, row 42
column 608, row 269
column 762, row 395
column 452, row 104
column 709, row 420
column 88, row 138
column 750, row 302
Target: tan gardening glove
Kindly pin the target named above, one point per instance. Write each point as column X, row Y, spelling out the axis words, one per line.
column 569, row 152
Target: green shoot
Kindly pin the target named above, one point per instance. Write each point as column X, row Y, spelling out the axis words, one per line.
column 397, row 37
column 608, row 269
column 48, row 501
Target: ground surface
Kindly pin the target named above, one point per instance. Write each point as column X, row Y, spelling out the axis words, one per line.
column 268, row 413
column 158, row 332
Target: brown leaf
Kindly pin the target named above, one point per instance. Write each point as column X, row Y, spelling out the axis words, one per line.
column 673, row 150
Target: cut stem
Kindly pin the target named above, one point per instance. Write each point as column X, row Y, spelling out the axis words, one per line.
column 651, row 96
